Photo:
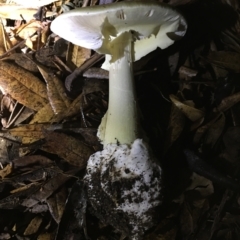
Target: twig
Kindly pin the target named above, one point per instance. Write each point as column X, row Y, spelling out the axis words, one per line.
column 15, row 47
column 79, row 71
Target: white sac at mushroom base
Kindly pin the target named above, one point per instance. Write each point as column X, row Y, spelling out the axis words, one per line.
column 126, row 180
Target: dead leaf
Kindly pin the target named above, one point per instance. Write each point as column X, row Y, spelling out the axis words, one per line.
column 190, row 112
column 228, row 102
column 175, row 126
column 29, row 161
column 55, row 91
column 33, row 226
column 69, row 148
column 6, row 171
column 22, row 188
column 46, row 236
column 215, row 131
column 56, row 204
column 26, row 78
column 21, row 93
column 75, row 106
column 5, row 43
column 53, row 184
column 216, row 124
column 24, row 61
column 44, row 115
column 22, row 86
column 27, row 31
column 72, row 222
column 225, row 59
column 201, row 184
column 34, row 131
column 14, row 200
column 76, row 56
column 231, row 140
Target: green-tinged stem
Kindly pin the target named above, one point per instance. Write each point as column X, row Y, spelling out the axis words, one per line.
column 121, row 119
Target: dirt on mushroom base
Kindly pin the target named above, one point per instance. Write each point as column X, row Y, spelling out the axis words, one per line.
column 124, row 187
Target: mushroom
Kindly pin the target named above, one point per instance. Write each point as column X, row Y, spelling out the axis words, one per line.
column 123, row 181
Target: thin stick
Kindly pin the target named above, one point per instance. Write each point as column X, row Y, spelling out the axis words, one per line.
column 15, row 47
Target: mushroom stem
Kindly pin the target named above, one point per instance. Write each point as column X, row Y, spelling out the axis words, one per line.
column 120, row 123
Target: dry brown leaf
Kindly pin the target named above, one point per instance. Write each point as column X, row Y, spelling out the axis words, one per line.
column 22, row 86
column 75, row 106
column 200, row 132
column 46, row 236
column 28, row 29
column 29, row 131
column 4, row 40
column 175, row 126
column 24, row 61
column 22, row 188
column 44, row 115
column 31, row 27
column 55, row 91
column 228, row 102
column 33, row 226
column 24, row 77
column 77, row 55
column 190, row 112
column 69, row 148
column 197, row 183
column 6, row 171
column 53, row 184
column 31, row 160
column 56, row 204
column 224, row 59
column 21, row 93
column 215, row 131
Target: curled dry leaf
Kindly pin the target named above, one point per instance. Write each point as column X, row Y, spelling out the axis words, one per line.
column 69, row 148
column 29, row 29
column 75, row 106
column 190, row 112
column 201, row 184
column 217, row 123
column 228, row 102
column 5, row 43
column 55, row 91
column 77, row 55
column 6, row 171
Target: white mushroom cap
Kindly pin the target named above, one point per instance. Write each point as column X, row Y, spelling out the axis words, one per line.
column 152, row 24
